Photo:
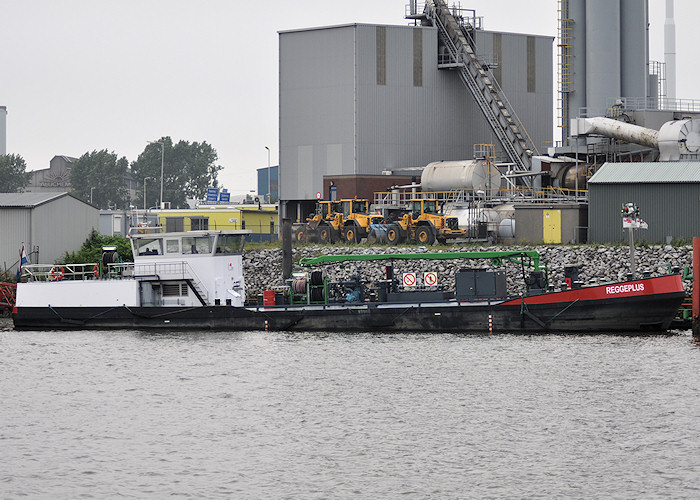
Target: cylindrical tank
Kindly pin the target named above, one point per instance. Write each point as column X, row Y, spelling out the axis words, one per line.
column 602, row 54
column 466, row 174
column 567, row 176
column 634, row 22
column 577, row 64
column 506, row 228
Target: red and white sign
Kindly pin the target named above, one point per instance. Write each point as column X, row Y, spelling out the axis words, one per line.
column 430, row 278
column 318, row 195
column 409, row 279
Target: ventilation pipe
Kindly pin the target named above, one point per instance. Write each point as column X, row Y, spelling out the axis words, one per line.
column 678, row 139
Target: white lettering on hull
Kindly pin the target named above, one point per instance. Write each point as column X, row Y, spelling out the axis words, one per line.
column 615, row 289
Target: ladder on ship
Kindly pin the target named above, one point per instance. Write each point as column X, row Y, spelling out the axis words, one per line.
column 504, row 123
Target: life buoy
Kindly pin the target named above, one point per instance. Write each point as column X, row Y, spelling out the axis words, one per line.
column 96, row 270
column 57, row 272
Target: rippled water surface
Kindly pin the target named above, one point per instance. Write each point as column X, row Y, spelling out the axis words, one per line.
column 272, row 415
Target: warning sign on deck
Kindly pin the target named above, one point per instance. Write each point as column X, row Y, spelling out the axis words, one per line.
column 430, row 278
column 409, row 279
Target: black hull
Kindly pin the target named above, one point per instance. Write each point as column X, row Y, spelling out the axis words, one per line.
column 615, row 315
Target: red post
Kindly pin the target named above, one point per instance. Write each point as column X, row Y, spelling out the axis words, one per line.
column 696, row 287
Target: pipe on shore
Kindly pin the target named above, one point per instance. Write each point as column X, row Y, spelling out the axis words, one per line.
column 615, row 129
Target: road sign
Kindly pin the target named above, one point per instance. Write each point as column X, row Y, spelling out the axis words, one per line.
column 225, row 196
column 318, row 195
column 409, row 279
column 212, row 195
column 430, row 278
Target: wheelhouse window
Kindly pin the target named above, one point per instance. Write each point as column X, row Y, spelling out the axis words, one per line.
column 172, row 246
column 148, row 246
column 230, row 243
column 197, row 244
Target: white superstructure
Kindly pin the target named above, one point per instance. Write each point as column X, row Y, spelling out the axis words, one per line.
column 191, row 269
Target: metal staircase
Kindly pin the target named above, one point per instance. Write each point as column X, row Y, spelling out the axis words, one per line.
column 455, row 38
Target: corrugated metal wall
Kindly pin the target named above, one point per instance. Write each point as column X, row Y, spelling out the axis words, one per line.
column 15, row 224
column 670, row 209
column 61, row 226
column 361, row 99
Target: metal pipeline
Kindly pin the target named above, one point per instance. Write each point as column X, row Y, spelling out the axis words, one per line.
column 615, row 129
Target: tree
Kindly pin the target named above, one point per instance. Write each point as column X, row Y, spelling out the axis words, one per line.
column 91, row 251
column 100, row 176
column 13, row 174
column 188, row 169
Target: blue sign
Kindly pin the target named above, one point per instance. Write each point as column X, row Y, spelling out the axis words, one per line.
column 212, row 195
column 225, row 196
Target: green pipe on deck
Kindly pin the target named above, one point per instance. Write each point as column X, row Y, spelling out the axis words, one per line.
column 497, row 257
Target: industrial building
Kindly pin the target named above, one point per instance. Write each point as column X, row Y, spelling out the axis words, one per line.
column 667, row 194
column 49, row 225
column 362, row 99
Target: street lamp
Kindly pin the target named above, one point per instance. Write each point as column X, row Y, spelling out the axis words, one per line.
column 145, row 206
column 269, row 189
column 162, row 161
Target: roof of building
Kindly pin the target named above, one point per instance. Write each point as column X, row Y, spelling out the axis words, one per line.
column 28, row 200
column 647, row 173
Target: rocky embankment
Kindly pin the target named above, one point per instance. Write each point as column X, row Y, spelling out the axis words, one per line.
column 263, row 267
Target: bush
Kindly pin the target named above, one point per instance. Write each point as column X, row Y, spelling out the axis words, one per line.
column 91, row 251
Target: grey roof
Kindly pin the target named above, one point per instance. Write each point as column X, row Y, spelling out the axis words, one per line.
column 27, row 200
column 647, row 173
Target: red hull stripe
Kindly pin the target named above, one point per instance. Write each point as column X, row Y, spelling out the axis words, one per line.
column 650, row 286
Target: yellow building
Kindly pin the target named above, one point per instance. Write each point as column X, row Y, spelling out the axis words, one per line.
column 261, row 219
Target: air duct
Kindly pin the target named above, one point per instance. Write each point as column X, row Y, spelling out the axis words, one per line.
column 676, row 140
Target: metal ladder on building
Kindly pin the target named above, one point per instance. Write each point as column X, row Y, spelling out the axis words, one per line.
column 502, row 120
column 564, row 65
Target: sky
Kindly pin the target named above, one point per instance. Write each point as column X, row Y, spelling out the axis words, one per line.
column 84, row 75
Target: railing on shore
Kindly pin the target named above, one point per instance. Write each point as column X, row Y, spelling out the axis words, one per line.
column 8, row 294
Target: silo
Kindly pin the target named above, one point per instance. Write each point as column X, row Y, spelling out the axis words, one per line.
column 602, row 54
column 577, row 42
column 634, row 47
column 3, row 130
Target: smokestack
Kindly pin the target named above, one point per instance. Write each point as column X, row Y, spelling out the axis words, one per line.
column 3, row 130
column 670, row 50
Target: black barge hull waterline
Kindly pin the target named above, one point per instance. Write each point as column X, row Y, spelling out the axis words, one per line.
column 571, row 312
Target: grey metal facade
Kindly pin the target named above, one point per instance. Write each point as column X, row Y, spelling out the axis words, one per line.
column 56, row 223
column 667, row 194
column 362, row 99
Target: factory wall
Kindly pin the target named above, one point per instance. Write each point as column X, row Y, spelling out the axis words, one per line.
column 672, row 211
column 361, row 99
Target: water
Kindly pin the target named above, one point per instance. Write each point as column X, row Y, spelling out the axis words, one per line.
column 272, row 415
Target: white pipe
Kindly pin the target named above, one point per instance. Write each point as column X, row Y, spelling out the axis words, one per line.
column 670, row 50
column 615, row 129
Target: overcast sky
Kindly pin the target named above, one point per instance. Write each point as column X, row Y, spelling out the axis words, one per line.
column 83, row 75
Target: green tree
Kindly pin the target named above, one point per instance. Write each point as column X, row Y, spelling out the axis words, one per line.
column 100, row 175
column 91, row 251
column 188, row 169
column 13, row 174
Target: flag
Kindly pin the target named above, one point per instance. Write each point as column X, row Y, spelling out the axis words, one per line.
column 23, row 257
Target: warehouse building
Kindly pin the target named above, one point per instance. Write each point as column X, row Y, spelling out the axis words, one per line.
column 667, row 194
column 49, row 225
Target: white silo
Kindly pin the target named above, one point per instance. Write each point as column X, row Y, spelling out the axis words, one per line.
column 3, row 130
